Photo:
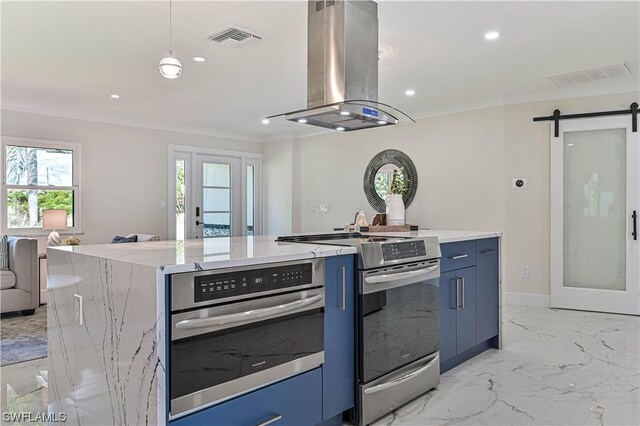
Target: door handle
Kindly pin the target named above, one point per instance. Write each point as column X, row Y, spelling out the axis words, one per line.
column 415, row 274
column 457, row 293
column 487, row 251
column 460, row 256
column 256, row 314
column 197, row 211
column 198, row 223
column 634, row 216
column 462, row 292
column 395, row 382
column 344, row 288
column 271, row 420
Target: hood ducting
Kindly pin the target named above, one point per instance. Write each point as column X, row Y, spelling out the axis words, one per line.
column 342, row 61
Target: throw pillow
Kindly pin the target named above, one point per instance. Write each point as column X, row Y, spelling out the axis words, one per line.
column 117, row 239
column 4, row 253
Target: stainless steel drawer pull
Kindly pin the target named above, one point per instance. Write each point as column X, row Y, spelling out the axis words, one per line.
column 487, row 251
column 402, row 379
column 271, row 420
column 460, row 256
column 344, row 288
column 255, row 314
column 462, row 293
column 458, row 293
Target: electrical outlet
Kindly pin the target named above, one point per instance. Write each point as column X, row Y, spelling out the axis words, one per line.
column 519, row 183
column 524, row 271
column 163, row 205
column 78, row 308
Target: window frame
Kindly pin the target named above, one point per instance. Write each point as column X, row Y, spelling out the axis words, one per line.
column 76, row 186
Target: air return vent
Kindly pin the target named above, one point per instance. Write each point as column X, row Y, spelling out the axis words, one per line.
column 233, row 36
column 593, row 74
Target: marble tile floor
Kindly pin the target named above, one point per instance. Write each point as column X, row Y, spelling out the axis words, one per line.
column 557, row 367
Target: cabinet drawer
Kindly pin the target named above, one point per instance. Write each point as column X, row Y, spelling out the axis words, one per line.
column 458, row 255
column 297, row 401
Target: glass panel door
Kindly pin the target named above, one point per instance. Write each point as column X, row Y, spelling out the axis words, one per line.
column 595, row 189
column 218, row 210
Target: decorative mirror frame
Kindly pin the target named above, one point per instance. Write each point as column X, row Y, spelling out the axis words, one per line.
column 397, row 158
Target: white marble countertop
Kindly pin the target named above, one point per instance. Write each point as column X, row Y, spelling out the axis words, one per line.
column 211, row 253
column 215, row 253
column 444, row 236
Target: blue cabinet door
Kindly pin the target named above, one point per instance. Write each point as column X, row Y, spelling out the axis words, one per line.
column 295, row 401
column 447, row 315
column 466, row 336
column 338, row 371
column 487, row 285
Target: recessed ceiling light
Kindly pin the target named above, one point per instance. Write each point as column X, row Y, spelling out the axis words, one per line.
column 344, row 113
column 492, row 35
column 115, row 96
column 410, row 92
column 199, row 58
column 339, row 129
column 382, row 122
column 265, row 121
column 302, row 120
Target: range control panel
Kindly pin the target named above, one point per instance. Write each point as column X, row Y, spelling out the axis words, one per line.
column 220, row 286
column 403, row 250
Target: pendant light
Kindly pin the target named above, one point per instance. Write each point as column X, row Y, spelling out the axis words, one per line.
column 169, row 66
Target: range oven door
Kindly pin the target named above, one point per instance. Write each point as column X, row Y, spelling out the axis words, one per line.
column 223, row 351
column 399, row 318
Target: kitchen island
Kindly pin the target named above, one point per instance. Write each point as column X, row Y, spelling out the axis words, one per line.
column 108, row 321
column 107, row 317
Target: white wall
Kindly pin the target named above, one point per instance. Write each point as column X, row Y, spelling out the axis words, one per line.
column 465, row 163
column 124, row 170
column 277, row 187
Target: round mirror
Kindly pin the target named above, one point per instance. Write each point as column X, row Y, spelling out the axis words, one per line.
column 390, row 171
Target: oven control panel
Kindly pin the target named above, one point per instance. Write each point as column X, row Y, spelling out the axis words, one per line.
column 403, row 250
column 221, row 286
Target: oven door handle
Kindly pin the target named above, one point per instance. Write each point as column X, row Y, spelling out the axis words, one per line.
column 399, row 276
column 400, row 380
column 255, row 314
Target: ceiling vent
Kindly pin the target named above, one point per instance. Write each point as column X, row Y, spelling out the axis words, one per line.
column 593, row 74
column 233, row 37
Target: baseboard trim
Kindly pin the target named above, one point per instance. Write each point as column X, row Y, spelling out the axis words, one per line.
column 526, row 299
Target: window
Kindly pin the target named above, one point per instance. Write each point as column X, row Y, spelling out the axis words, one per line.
column 39, row 175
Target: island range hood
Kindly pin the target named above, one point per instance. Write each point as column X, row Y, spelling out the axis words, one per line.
column 342, row 62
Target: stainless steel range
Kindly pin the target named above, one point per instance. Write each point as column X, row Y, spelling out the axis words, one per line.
column 397, row 321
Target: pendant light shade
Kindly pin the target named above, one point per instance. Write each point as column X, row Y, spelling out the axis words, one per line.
column 170, row 67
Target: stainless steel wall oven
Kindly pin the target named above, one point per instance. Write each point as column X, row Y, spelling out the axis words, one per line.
column 235, row 330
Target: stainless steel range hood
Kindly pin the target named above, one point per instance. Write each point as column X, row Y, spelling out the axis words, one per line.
column 342, row 61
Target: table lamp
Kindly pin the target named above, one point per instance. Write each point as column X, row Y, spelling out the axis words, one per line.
column 54, row 219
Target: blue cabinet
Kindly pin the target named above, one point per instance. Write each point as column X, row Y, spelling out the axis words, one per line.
column 468, row 300
column 457, row 311
column 338, row 371
column 487, row 286
column 295, row 401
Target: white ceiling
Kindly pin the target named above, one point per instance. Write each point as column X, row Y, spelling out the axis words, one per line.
column 66, row 58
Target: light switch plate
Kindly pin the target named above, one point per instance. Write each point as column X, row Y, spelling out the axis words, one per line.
column 519, row 183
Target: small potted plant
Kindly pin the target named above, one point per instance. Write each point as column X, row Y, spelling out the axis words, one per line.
column 71, row 241
column 397, row 187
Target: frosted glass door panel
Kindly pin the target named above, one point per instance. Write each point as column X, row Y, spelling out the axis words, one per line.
column 595, row 211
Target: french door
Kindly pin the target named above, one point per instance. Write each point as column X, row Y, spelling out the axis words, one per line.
column 595, row 200
column 218, row 203
column 213, row 193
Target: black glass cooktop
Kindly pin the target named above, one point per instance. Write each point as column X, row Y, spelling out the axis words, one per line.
column 336, row 239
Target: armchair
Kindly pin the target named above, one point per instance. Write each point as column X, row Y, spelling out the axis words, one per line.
column 20, row 285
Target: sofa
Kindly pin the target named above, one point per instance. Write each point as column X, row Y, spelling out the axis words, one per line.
column 20, row 285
